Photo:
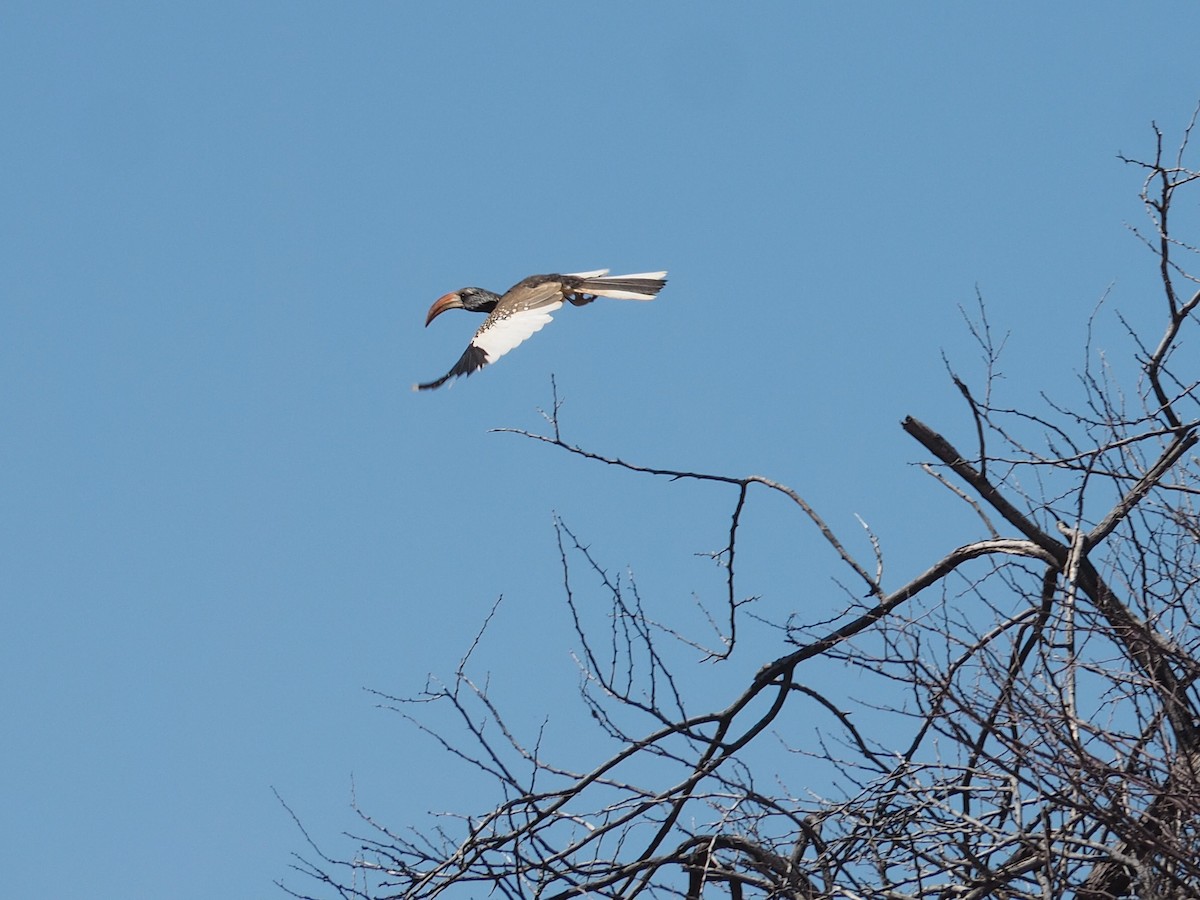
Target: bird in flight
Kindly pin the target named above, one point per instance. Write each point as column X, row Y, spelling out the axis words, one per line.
column 525, row 308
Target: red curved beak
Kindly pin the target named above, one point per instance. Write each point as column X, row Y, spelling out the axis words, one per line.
column 443, row 303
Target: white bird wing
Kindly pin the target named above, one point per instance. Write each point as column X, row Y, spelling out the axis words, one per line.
column 505, row 330
column 510, row 324
column 522, row 312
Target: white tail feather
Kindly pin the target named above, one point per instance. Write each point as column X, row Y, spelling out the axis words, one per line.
column 624, row 291
column 653, row 276
column 619, row 295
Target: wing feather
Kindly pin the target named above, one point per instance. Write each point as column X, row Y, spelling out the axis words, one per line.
column 502, row 331
column 505, row 329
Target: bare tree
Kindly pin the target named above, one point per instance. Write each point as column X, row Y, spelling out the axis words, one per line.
column 1032, row 730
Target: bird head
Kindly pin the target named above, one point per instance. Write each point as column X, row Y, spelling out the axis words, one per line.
column 473, row 299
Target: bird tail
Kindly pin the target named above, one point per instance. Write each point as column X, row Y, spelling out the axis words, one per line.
column 641, row 286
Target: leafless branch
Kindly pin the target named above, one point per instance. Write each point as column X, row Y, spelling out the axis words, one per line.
column 1019, row 719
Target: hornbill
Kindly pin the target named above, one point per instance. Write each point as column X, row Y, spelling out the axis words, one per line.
column 526, row 307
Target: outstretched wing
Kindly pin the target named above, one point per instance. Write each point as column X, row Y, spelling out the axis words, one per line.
column 524, row 311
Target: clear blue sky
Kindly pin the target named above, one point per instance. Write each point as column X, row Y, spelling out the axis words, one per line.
column 224, row 513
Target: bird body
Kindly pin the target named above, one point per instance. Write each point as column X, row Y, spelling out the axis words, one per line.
column 526, row 307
